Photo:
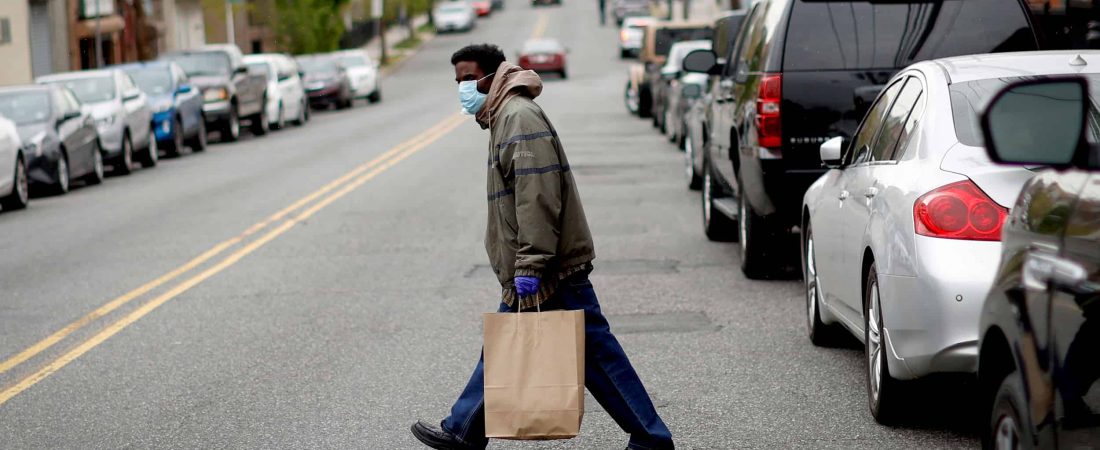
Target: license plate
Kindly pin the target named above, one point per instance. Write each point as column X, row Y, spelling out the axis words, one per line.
column 539, row 59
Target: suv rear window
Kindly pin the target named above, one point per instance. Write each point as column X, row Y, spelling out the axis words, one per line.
column 869, row 34
column 668, row 36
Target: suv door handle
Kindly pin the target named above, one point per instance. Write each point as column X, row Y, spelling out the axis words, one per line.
column 1042, row 270
column 871, row 192
column 844, row 195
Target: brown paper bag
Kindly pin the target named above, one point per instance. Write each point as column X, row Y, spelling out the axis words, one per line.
column 534, row 375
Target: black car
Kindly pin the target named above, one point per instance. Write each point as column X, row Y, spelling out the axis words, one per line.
column 326, row 82
column 796, row 78
column 1039, row 341
column 60, row 141
column 230, row 93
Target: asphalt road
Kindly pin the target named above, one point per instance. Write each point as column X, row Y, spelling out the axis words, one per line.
column 338, row 322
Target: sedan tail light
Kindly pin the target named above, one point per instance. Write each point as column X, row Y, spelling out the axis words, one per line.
column 959, row 210
column 769, row 132
column 523, row 61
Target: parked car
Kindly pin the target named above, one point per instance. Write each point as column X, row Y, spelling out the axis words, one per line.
column 786, row 92
column 901, row 237
column 668, row 80
column 455, row 16
column 176, row 105
column 684, row 96
column 326, row 81
column 1040, row 325
column 14, row 188
column 658, row 40
column 544, row 56
column 726, row 29
column 631, row 35
column 229, row 92
column 123, row 117
column 59, row 137
column 366, row 80
column 286, row 96
column 545, row 2
column 482, row 7
column 622, row 9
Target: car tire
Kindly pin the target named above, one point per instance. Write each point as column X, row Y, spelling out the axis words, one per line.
column 753, row 235
column 645, row 103
column 623, row 54
column 1007, row 429
column 231, row 127
column 152, row 152
column 259, row 123
column 631, row 101
column 303, row 110
column 564, row 74
column 198, row 141
column 716, row 225
column 173, row 148
column 820, row 333
column 883, row 391
column 61, row 175
column 695, row 181
column 96, row 175
column 124, row 163
column 375, row 96
column 20, row 189
column 280, row 119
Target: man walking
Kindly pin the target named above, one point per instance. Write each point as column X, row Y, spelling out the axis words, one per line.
column 540, row 248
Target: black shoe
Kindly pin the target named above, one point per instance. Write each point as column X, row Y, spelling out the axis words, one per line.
column 438, row 439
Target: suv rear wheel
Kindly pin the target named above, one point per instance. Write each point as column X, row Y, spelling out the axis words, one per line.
column 753, row 235
column 716, row 225
column 1007, row 429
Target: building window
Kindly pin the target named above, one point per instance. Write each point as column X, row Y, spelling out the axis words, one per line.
column 5, row 30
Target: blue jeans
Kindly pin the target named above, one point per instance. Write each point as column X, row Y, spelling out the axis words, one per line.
column 608, row 376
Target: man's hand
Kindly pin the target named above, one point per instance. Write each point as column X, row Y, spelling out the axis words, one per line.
column 527, row 286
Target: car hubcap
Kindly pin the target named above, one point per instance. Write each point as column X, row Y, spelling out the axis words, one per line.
column 1007, row 435
column 63, row 174
column 689, row 159
column 743, row 225
column 21, row 188
column 98, row 165
column 202, row 133
column 706, row 199
column 127, row 153
column 154, row 152
column 281, row 119
column 811, row 283
column 234, row 125
column 874, row 343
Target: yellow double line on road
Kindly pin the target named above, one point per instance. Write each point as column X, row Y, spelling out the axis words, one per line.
column 285, row 218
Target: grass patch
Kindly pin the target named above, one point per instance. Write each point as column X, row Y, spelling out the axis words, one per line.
column 426, row 28
column 408, row 43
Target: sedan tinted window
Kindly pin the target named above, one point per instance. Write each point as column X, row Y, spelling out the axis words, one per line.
column 893, row 125
column 859, row 151
column 826, row 35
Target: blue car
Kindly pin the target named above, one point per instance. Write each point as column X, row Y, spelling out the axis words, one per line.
column 177, row 106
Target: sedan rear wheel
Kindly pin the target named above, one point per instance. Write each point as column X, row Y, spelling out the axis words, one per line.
column 173, row 148
column 20, row 190
column 96, row 176
column 820, row 334
column 260, row 124
column 123, row 165
column 152, row 153
column 61, row 176
column 231, row 129
column 198, row 142
column 882, row 389
column 694, row 180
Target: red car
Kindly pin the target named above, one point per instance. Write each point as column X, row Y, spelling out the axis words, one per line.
column 483, row 7
column 543, row 55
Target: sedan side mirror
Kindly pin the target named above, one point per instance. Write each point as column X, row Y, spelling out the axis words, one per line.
column 701, row 61
column 69, row 115
column 1040, row 122
column 831, row 151
column 184, row 89
column 132, row 95
column 241, row 70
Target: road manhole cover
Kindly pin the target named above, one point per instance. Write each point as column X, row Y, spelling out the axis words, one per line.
column 675, row 322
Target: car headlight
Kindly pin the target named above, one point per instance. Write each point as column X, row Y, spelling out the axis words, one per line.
column 34, row 145
column 105, row 121
column 215, row 94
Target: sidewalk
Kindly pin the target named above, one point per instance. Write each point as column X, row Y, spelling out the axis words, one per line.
column 394, row 35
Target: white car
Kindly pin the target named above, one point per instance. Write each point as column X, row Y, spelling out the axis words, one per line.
column 121, row 111
column 455, row 16
column 286, row 97
column 14, row 190
column 901, row 238
column 631, row 34
column 366, row 80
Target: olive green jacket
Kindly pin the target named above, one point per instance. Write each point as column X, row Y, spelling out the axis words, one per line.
column 536, row 224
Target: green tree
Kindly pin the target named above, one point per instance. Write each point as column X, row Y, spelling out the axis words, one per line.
column 309, row 26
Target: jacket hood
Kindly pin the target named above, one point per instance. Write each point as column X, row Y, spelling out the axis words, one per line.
column 509, row 81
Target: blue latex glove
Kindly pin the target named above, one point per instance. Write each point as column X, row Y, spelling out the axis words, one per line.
column 526, row 286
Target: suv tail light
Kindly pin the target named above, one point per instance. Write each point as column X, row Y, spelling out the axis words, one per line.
column 624, row 36
column 769, row 132
column 959, row 210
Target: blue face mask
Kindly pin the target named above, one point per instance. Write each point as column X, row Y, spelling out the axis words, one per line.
column 472, row 101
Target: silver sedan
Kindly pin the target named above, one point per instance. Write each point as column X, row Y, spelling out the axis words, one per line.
column 901, row 238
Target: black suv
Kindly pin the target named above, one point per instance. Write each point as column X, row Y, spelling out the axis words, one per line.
column 796, row 77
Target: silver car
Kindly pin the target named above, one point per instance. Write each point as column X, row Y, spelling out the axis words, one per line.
column 901, row 238
column 121, row 111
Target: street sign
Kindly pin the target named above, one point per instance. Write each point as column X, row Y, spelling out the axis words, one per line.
column 376, row 8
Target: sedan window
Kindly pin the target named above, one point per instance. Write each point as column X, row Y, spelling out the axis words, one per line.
column 859, row 152
column 887, row 140
column 25, row 107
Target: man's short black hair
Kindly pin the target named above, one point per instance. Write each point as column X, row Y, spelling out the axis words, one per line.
column 487, row 56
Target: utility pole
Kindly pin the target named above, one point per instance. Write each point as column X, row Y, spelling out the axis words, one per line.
column 230, row 29
column 377, row 7
column 98, row 39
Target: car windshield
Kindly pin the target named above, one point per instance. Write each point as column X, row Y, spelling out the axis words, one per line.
column 968, row 99
column 90, row 89
column 25, row 107
column 318, row 66
column 668, row 36
column 832, row 35
column 152, row 81
column 354, row 61
column 542, row 46
column 452, row 9
column 261, row 68
column 202, row 63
